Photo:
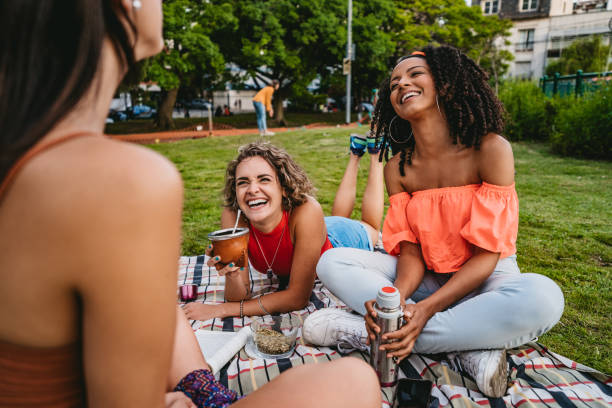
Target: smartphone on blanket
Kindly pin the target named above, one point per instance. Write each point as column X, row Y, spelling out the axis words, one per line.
column 411, row 393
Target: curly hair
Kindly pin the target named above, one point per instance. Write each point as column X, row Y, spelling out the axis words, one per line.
column 293, row 180
column 468, row 103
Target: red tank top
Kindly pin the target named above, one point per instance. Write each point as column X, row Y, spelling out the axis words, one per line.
column 280, row 238
column 40, row 377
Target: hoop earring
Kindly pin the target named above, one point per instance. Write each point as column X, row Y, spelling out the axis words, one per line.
column 136, row 4
column 391, row 134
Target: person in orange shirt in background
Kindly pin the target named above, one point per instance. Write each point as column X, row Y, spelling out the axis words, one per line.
column 262, row 103
column 450, row 231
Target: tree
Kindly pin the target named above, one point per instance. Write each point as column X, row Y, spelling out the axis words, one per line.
column 288, row 40
column 589, row 55
column 452, row 22
column 189, row 56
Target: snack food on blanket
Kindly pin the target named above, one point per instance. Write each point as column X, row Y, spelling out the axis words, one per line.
column 274, row 334
column 271, row 342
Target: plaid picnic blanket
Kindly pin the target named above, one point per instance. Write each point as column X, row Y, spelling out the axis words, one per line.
column 539, row 378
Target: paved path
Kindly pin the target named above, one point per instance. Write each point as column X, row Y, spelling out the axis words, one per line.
column 157, row 137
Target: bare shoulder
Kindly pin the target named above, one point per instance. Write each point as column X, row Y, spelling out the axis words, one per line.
column 393, row 178
column 130, row 170
column 310, row 208
column 103, row 184
column 495, row 145
column 308, row 224
column 140, row 169
column 495, row 160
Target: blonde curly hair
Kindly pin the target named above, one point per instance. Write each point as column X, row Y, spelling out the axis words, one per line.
column 293, row 179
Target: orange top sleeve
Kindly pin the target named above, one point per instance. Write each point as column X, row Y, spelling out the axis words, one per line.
column 395, row 227
column 448, row 222
column 493, row 223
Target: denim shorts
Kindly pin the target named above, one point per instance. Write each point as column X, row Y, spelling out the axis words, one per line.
column 346, row 233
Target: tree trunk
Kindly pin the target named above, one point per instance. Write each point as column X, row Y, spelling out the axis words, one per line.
column 279, row 113
column 164, row 115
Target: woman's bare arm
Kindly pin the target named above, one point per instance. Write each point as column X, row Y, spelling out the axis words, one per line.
column 126, row 234
column 310, row 234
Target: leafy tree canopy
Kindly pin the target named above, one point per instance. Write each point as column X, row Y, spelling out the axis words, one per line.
column 190, row 57
column 589, row 55
column 452, row 22
column 296, row 41
column 288, row 40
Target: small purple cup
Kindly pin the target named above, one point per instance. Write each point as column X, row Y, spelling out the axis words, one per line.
column 188, row 293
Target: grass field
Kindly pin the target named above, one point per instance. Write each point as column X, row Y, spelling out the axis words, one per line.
column 241, row 121
column 565, row 227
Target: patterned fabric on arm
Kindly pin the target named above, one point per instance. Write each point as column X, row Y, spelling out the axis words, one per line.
column 206, row 392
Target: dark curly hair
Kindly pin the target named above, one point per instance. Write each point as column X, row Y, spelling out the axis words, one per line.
column 293, row 179
column 468, row 103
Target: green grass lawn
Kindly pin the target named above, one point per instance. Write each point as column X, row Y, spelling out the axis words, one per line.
column 565, row 227
column 240, row 121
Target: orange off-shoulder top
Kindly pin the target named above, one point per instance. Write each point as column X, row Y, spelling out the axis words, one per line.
column 448, row 222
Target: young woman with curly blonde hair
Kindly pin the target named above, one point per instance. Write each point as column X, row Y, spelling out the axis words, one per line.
column 288, row 231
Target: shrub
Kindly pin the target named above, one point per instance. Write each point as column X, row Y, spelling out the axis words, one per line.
column 304, row 101
column 583, row 128
column 529, row 113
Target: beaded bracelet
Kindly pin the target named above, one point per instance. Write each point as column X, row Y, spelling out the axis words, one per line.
column 261, row 305
column 241, row 308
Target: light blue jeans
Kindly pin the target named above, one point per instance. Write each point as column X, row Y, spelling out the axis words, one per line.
column 344, row 232
column 260, row 111
column 509, row 309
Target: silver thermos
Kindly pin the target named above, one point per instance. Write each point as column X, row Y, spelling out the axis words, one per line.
column 388, row 318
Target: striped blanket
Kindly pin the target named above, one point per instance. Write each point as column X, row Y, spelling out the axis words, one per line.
column 538, row 377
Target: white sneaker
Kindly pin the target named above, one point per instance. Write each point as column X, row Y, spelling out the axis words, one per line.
column 268, row 133
column 336, row 327
column 489, row 368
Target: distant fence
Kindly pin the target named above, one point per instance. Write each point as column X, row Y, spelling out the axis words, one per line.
column 567, row 85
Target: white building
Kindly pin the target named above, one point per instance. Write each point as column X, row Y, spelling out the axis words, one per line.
column 238, row 101
column 543, row 28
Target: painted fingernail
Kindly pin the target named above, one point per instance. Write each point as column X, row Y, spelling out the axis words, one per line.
column 217, row 258
column 242, row 268
column 231, row 265
column 209, row 246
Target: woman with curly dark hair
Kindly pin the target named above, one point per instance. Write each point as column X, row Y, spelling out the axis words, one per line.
column 288, row 232
column 450, row 231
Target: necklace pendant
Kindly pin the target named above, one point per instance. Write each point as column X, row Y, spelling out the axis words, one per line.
column 270, row 273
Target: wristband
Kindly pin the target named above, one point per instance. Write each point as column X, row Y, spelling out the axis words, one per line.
column 261, row 305
column 241, row 308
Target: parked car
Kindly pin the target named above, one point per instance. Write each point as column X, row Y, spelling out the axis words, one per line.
column 199, row 103
column 116, row 116
column 143, row 112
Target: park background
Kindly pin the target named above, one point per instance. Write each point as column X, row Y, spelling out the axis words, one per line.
column 560, row 126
